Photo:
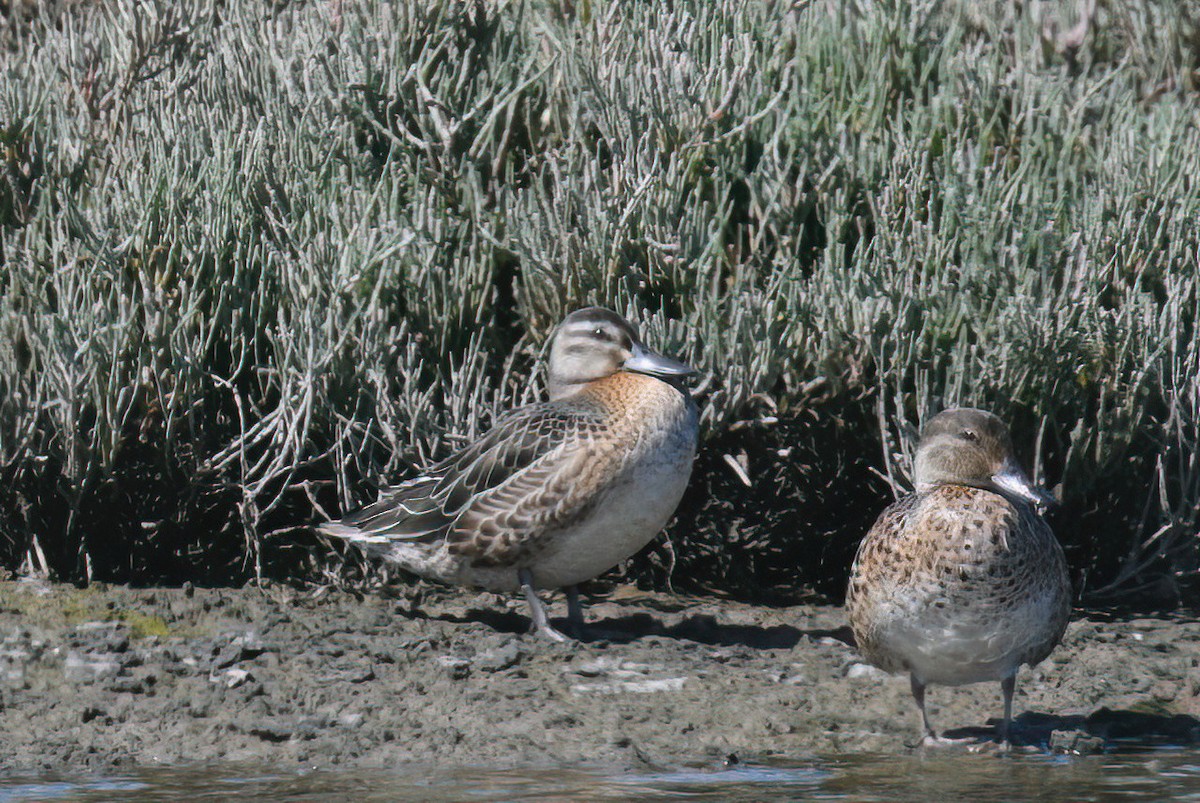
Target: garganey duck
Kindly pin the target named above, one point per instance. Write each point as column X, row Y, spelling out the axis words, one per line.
column 557, row 492
column 961, row 581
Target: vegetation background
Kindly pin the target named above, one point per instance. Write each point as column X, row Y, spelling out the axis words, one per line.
column 258, row 256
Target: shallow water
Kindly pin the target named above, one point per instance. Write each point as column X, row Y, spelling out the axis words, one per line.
column 1143, row 775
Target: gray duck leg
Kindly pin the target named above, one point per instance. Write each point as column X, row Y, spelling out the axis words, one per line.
column 929, row 737
column 537, row 611
column 1008, row 687
column 1003, row 744
column 574, row 612
column 928, row 734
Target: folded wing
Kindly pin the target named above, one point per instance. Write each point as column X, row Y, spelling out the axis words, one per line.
column 531, row 473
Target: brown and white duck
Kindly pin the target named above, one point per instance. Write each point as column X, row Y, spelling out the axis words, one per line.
column 961, row 581
column 557, row 492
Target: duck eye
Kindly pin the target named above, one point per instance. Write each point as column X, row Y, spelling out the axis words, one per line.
column 603, row 334
column 969, row 435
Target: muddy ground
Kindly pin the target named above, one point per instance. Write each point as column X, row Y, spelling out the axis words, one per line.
column 100, row 678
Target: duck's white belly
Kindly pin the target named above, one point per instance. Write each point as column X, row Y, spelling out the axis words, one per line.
column 956, row 645
column 952, row 656
column 625, row 520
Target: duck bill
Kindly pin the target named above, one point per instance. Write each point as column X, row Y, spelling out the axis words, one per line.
column 1013, row 481
column 647, row 362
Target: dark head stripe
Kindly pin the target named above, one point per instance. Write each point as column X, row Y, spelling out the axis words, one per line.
column 591, row 317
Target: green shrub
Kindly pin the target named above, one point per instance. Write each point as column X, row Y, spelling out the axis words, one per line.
column 257, row 257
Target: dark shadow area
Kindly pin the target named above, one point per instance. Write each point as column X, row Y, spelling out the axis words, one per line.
column 791, row 535
column 500, row 620
column 1104, row 730
column 703, row 628
column 1185, row 612
column 843, row 634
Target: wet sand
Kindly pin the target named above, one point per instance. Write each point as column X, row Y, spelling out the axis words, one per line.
column 105, row 677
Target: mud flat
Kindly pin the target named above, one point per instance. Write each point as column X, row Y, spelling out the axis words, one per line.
column 106, row 677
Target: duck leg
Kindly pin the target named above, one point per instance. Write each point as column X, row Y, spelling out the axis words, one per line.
column 928, row 734
column 574, row 612
column 1008, row 687
column 929, row 737
column 537, row 611
column 1003, row 744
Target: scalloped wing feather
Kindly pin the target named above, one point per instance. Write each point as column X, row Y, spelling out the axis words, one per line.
column 493, row 499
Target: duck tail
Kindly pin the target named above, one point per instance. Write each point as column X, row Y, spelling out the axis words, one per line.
column 405, row 513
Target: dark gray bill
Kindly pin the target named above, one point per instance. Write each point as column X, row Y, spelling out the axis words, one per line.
column 645, row 361
column 1012, row 480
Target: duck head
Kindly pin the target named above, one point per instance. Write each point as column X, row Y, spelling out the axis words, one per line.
column 594, row 343
column 965, row 446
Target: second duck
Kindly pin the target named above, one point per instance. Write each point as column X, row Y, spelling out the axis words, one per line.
column 961, row 581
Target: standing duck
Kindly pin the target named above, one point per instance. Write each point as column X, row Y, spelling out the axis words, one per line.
column 961, row 581
column 556, row 492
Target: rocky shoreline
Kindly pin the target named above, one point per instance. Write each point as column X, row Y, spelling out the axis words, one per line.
column 106, row 677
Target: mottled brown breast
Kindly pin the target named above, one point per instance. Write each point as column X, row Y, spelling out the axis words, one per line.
column 641, row 407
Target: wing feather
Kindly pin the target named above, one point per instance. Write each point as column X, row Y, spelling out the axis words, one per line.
column 493, row 499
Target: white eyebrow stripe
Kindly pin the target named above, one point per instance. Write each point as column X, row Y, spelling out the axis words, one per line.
column 585, row 326
column 585, row 329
